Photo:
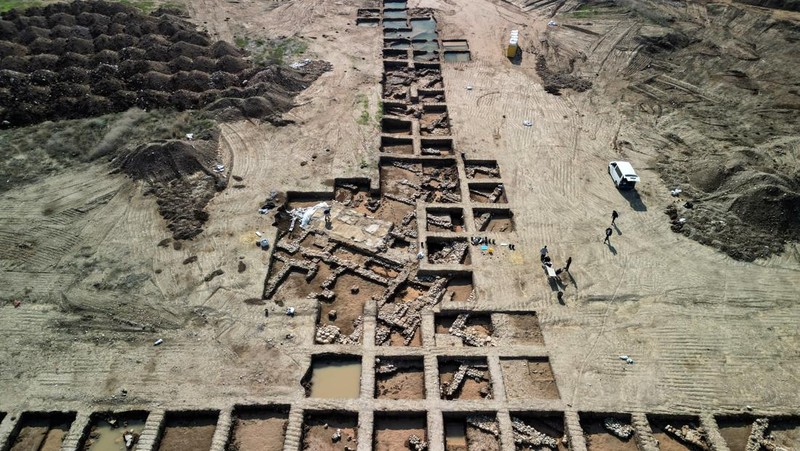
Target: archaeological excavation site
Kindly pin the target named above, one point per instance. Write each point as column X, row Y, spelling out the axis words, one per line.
column 354, row 225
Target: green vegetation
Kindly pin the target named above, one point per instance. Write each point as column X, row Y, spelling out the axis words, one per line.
column 379, row 113
column 271, row 51
column 29, row 153
column 145, row 6
column 7, row 5
column 363, row 101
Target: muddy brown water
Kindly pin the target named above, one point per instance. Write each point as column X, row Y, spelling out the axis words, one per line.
column 104, row 437
column 392, row 433
column 258, row 431
column 188, row 432
column 336, row 379
column 735, row 431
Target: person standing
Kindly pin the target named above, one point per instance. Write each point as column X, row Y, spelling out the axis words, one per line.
column 608, row 235
column 569, row 262
column 543, row 251
column 614, row 216
column 560, row 296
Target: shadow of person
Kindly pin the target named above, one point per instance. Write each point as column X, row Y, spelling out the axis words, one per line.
column 572, row 280
column 611, row 248
column 328, row 224
column 556, row 284
column 634, row 199
column 616, row 227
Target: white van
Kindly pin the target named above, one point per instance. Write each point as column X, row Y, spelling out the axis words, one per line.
column 622, row 174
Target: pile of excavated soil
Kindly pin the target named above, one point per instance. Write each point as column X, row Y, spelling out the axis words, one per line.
column 84, row 59
column 181, row 175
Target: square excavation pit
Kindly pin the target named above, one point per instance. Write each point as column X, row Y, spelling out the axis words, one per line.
column 435, row 120
column 493, row 220
column 608, row 431
column 476, row 431
column 771, row 433
column 482, row 169
column 464, row 378
column 399, row 431
column 409, row 181
column 399, row 109
column 422, row 56
column 436, row 146
column 342, row 315
column 395, row 54
column 444, row 220
column 678, row 433
column 526, row 425
column 463, row 329
column 431, row 96
column 258, row 428
column 395, row 14
column 41, row 431
column 113, row 430
column 529, row 378
column 460, row 288
column 368, row 21
column 455, row 44
column 487, row 193
column 428, row 76
column 395, row 126
column 517, row 329
column 444, row 251
column 391, row 144
column 320, row 431
column 394, row 23
column 188, row 430
column 461, row 56
column 333, row 376
column 398, row 44
column 398, row 321
column 399, row 378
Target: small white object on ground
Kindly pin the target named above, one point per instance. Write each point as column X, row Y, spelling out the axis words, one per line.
column 675, row 192
column 629, row 360
column 469, row 88
column 190, row 136
column 420, row 255
column 158, row 342
column 682, row 220
column 624, row 357
column 527, row 123
column 290, row 311
column 552, row 23
column 300, row 64
column 258, row 233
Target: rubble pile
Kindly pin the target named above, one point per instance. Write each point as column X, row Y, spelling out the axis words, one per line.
column 405, row 317
column 443, row 221
column 476, row 372
column 528, row 436
column 417, row 444
column 485, row 423
column 468, row 336
column 453, row 252
column 689, row 435
column 473, row 170
column 617, row 428
column 759, row 439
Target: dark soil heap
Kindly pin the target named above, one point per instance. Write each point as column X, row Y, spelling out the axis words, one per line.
column 84, row 59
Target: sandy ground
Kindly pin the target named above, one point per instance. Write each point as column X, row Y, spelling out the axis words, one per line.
column 707, row 333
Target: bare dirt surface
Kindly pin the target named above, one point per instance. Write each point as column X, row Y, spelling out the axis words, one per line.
column 408, row 382
column 529, row 379
column 318, row 433
column 258, row 431
column 696, row 95
column 393, row 433
column 182, row 433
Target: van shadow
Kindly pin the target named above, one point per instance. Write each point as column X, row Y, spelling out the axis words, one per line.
column 634, row 199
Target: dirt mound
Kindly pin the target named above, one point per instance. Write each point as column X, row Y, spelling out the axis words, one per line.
column 182, row 176
column 554, row 81
column 127, row 51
